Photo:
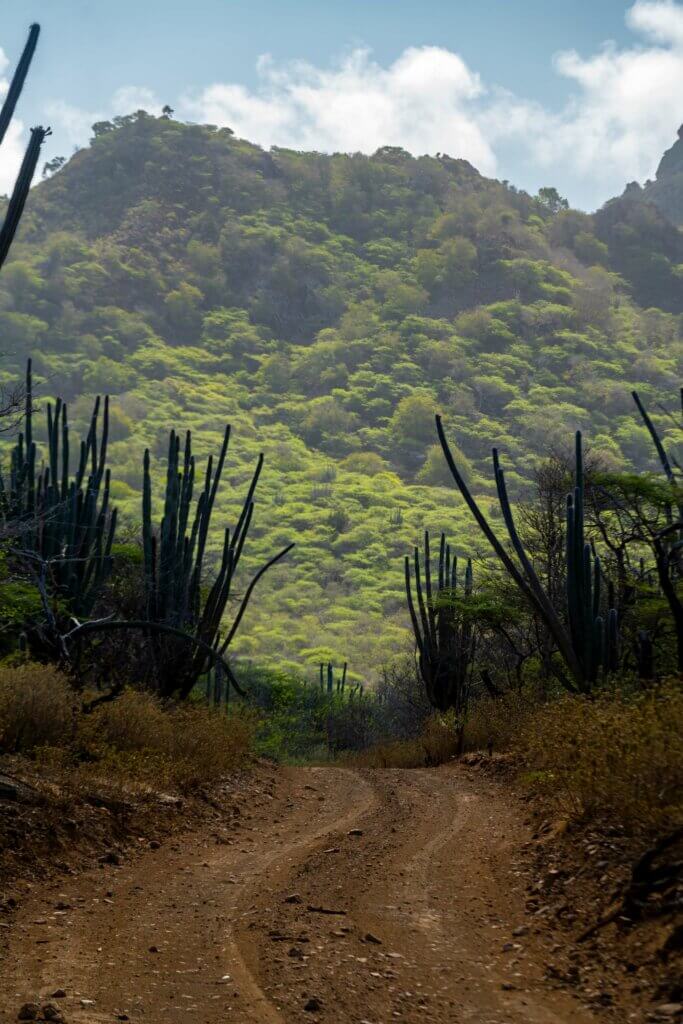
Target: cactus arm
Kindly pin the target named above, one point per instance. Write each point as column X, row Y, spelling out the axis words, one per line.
column 248, row 502
column 249, row 591
column 18, row 80
column 480, row 518
column 426, row 633
column 656, row 440
column 431, row 615
column 21, row 190
column 443, row 574
column 411, row 607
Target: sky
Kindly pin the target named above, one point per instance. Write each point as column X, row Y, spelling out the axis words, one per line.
column 584, row 95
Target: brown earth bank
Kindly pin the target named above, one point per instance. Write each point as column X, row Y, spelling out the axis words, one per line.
column 319, row 893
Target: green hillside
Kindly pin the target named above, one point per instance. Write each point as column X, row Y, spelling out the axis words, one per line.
column 327, row 306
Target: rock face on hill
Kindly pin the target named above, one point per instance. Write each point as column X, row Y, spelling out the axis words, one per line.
column 666, row 191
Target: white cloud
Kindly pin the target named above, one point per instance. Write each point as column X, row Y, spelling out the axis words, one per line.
column 423, row 102
column 627, row 105
column 624, row 107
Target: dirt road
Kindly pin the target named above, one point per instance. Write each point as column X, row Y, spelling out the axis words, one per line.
column 359, row 897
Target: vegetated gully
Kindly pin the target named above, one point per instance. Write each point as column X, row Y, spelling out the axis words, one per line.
column 347, row 896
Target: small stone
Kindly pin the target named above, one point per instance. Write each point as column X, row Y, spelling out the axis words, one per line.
column 355, row 832
column 295, row 953
column 293, row 898
column 669, row 1009
column 110, row 857
column 369, row 937
column 53, row 1013
column 29, row 1011
column 313, row 1005
column 507, row 986
column 153, row 949
column 521, row 930
column 154, row 844
column 87, row 1002
column 122, row 1016
column 59, row 993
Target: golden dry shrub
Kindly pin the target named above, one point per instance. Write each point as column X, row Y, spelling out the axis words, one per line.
column 186, row 746
column 501, row 721
column 37, row 708
column 615, row 757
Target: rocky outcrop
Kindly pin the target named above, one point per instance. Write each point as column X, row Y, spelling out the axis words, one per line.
column 666, row 191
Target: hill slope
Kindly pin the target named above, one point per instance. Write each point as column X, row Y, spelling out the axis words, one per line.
column 326, row 306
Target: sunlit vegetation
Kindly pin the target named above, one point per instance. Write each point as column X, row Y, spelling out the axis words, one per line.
column 327, row 307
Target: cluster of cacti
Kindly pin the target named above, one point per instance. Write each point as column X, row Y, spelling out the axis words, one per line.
column 329, row 685
column 327, row 680
column 589, row 643
column 28, row 165
column 61, row 525
column 444, row 636
column 175, row 591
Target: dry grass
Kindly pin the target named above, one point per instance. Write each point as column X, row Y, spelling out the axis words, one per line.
column 502, row 722
column 613, row 757
column 134, row 737
column 437, row 744
column 184, row 746
column 616, row 757
column 37, row 708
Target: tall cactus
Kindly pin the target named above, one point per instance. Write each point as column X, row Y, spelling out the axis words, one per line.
column 58, row 522
column 590, row 643
column 174, row 557
column 445, row 640
column 32, row 154
column 667, row 544
column 594, row 639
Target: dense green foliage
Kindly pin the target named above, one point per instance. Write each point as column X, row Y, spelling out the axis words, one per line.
column 327, row 306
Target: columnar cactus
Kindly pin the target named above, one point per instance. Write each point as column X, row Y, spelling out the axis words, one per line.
column 327, row 681
column 174, row 554
column 594, row 640
column 667, row 544
column 444, row 636
column 58, row 522
column 590, row 642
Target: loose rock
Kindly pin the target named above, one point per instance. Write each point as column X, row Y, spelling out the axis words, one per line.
column 29, row 1011
column 53, row 1013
